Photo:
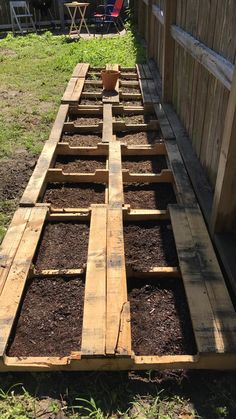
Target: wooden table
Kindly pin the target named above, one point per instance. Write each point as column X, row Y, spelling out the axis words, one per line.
column 72, row 9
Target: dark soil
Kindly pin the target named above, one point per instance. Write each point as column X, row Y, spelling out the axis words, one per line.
column 136, row 119
column 149, row 195
column 130, row 89
column 63, row 246
column 160, row 320
column 91, row 101
column 73, row 164
column 74, row 195
column 50, row 320
column 126, row 76
column 154, row 164
column 82, row 140
column 149, row 244
column 130, row 102
column 142, row 138
column 92, row 88
column 14, row 175
column 80, row 120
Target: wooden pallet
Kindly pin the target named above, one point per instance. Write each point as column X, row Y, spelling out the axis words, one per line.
column 106, row 336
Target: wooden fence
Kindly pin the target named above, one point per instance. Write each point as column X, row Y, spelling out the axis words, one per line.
column 193, row 43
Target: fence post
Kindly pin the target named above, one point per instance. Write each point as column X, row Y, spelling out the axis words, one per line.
column 168, row 50
column 150, row 30
column 223, row 215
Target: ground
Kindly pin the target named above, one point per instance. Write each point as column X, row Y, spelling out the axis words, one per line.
column 34, row 71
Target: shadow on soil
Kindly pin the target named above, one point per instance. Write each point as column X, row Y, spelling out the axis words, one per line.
column 210, row 394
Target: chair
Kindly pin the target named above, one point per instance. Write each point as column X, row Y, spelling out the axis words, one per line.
column 20, row 10
column 110, row 14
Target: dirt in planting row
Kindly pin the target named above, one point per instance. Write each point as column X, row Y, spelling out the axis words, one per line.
column 63, row 245
column 50, row 319
column 74, row 195
column 129, row 89
column 14, row 174
column 82, row 140
column 140, row 138
column 149, row 244
column 130, row 102
column 83, row 164
column 93, row 101
column 160, row 320
column 82, row 120
column 136, row 119
column 149, row 195
column 93, row 88
column 154, row 164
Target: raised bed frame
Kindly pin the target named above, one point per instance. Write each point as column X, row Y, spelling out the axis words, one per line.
column 106, row 342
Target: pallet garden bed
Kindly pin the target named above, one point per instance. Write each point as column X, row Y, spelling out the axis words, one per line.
column 114, row 265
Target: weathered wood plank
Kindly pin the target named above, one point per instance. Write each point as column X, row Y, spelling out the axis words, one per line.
column 217, row 65
column 118, row 331
column 15, row 283
column 34, row 187
column 94, row 318
column 214, row 325
column 12, row 241
column 107, row 130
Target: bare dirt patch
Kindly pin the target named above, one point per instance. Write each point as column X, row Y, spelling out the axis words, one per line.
column 154, row 164
column 142, row 138
column 149, row 195
column 14, row 174
column 72, row 164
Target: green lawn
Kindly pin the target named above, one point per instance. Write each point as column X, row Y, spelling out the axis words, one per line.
column 34, row 71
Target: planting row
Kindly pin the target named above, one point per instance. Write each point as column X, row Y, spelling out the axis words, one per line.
column 50, row 317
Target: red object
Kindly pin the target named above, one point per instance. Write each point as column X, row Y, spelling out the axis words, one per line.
column 110, row 15
column 109, row 79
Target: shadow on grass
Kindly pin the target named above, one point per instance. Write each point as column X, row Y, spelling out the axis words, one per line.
column 210, row 394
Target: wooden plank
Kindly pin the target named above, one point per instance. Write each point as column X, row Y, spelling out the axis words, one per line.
column 185, row 192
column 11, row 242
column 57, row 175
column 168, row 51
column 145, row 150
column 80, row 70
column 64, row 149
column 166, row 176
column 138, row 363
column 94, row 319
column 116, row 195
column 35, row 185
column 213, row 326
column 118, row 331
column 107, row 130
column 152, row 91
column 73, row 90
column 146, row 96
column 158, row 13
column 140, row 71
column 15, row 283
column 163, row 121
column 217, row 65
column 223, row 210
column 218, row 294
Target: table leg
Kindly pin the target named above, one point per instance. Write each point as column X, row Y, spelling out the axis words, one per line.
column 73, row 24
column 83, row 21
